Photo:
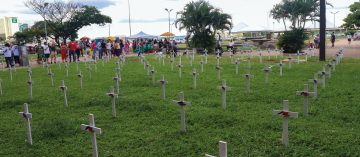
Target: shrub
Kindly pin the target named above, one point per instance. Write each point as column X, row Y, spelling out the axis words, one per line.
column 293, row 40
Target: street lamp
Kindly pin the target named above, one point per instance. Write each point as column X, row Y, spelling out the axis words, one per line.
column 45, row 5
column 129, row 17
column 169, row 11
column 334, row 13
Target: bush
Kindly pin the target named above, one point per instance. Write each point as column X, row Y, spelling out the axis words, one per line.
column 293, row 40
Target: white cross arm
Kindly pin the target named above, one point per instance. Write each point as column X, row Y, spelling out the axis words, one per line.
column 224, row 88
column 116, row 78
column 207, row 155
column 25, row 115
column 248, row 75
column 305, row 93
column 285, row 113
column 90, row 128
column 181, row 103
column 111, row 94
column 313, row 80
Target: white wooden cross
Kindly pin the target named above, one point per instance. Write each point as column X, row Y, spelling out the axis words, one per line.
column 2, row 66
column 268, row 51
column 153, row 75
column 218, row 59
column 163, row 59
column 323, row 76
column 93, row 131
column 163, row 83
column 81, row 79
column 27, row 116
column 260, row 57
column 67, row 69
column 237, row 62
column 223, row 89
column 180, row 66
column 248, row 77
column 191, row 60
column 1, row 91
column 281, row 68
column 30, row 83
column 117, row 79
column 64, row 89
column 11, row 75
column 315, row 84
column 206, row 55
column 88, row 68
column 329, row 69
column 194, row 74
column 51, row 75
column 222, row 150
column 95, row 65
column 290, row 60
column 266, row 71
column 286, row 114
column 172, row 63
column 118, row 71
column 112, row 95
column 182, row 103
column 77, row 66
column 148, row 68
column 202, row 65
column 298, row 57
column 305, row 93
column 231, row 58
column 59, row 64
column 306, row 57
column 218, row 68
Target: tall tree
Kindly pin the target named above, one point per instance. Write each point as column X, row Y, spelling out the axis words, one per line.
column 65, row 19
column 352, row 21
column 201, row 20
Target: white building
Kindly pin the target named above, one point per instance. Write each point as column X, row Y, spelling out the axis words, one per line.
column 8, row 27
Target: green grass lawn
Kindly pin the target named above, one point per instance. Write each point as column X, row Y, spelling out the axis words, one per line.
column 149, row 126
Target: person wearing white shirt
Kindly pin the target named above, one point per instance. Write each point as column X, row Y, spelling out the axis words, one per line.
column 46, row 52
column 8, row 55
column 108, row 48
column 15, row 51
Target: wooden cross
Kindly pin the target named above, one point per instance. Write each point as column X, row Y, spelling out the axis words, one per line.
column 93, row 131
column 218, row 68
column 180, row 66
column 2, row 66
column 11, row 75
column 248, row 77
column 206, row 54
column 267, row 70
column 333, row 62
column 305, row 93
column 222, row 150
column 323, row 76
column 95, row 65
column 306, row 57
column 51, row 75
column 64, row 89
column 202, row 65
column 88, row 68
column 30, row 83
column 117, row 79
column 81, row 79
column 148, row 68
column 286, row 114
column 163, row 83
column 290, row 60
column 112, row 95
column 260, row 57
column 268, row 51
column 237, row 62
column 224, row 88
column 191, row 60
column 329, row 69
column 280, row 67
column 298, row 57
column 182, row 103
column 67, row 69
column 218, row 59
column 153, row 75
column 163, row 60
column 1, row 91
column 27, row 116
column 77, row 66
column 315, row 82
column 232, row 58
column 194, row 77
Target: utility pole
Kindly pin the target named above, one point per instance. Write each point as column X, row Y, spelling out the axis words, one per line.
column 322, row 53
column 129, row 17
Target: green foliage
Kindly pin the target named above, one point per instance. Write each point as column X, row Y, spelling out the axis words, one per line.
column 293, row 40
column 352, row 21
column 298, row 12
column 202, row 21
column 148, row 126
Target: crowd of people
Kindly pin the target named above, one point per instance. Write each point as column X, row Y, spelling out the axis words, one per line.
column 72, row 51
column 11, row 54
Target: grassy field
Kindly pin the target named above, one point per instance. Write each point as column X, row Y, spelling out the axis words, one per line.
column 149, row 126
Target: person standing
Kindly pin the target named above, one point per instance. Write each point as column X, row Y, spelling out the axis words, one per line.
column 333, row 39
column 63, row 52
column 108, row 48
column 52, row 47
column 127, row 47
column 78, row 50
column 103, row 49
column 8, row 55
column 121, row 46
column 46, row 52
column 94, row 49
column 117, row 48
column 16, row 54
column 72, row 48
column 349, row 38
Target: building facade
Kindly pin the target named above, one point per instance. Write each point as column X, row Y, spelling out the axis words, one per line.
column 8, row 27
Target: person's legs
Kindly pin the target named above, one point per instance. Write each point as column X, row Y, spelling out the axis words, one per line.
column 78, row 54
column 8, row 61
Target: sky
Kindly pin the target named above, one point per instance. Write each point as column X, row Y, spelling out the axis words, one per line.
column 150, row 15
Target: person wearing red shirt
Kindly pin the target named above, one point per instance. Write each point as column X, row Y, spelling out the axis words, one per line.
column 72, row 48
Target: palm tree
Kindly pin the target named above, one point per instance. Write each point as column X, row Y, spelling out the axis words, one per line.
column 201, row 20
